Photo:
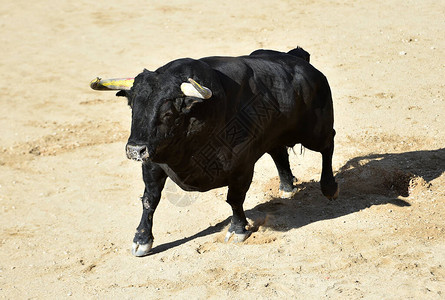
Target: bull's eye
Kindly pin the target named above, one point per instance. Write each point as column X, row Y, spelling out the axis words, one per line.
column 166, row 116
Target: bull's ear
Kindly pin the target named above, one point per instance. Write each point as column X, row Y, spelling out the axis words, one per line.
column 127, row 94
column 122, row 93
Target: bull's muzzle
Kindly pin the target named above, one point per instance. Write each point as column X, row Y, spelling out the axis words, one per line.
column 138, row 153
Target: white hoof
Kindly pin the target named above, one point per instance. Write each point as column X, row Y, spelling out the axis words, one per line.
column 237, row 237
column 228, row 236
column 141, row 250
column 287, row 195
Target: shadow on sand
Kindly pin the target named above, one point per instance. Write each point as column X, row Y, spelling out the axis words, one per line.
column 365, row 181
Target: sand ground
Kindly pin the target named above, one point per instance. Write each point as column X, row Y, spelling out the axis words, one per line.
column 69, row 197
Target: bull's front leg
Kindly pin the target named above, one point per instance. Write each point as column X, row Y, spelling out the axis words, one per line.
column 236, row 194
column 154, row 179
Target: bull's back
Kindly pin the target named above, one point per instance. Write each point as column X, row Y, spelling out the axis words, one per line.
column 279, row 98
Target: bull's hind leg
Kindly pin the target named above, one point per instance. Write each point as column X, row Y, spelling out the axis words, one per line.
column 238, row 188
column 154, row 179
column 329, row 187
column 281, row 159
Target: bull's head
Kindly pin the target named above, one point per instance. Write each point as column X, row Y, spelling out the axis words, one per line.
column 163, row 112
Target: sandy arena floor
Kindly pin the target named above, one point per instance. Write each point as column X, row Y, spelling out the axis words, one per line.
column 69, row 201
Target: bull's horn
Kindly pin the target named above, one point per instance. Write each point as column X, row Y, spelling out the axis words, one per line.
column 194, row 89
column 111, row 84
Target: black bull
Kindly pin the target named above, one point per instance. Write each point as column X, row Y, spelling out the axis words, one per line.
column 204, row 123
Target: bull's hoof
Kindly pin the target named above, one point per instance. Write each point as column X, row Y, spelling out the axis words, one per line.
column 141, row 250
column 237, row 237
column 335, row 196
column 330, row 190
column 287, row 195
